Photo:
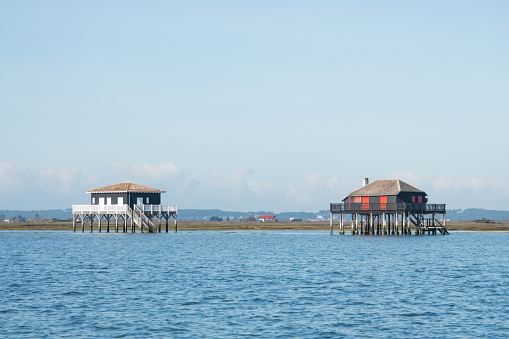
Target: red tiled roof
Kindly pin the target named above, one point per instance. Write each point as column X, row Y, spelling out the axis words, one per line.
column 125, row 187
column 266, row 217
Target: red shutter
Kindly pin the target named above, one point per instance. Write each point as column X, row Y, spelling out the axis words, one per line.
column 383, row 203
column 365, row 203
column 419, row 199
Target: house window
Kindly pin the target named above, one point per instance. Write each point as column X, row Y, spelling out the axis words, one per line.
column 146, row 200
column 358, row 200
column 413, row 198
column 93, row 200
column 419, row 199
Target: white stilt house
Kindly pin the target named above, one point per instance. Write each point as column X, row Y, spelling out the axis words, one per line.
column 129, row 204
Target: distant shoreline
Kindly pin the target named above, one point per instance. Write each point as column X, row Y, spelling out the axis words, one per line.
column 245, row 226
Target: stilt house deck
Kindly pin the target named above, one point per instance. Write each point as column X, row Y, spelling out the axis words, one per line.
column 389, row 207
column 128, row 204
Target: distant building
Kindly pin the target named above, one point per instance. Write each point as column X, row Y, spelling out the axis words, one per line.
column 267, row 218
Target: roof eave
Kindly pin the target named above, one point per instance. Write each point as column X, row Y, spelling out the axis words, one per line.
column 125, row 192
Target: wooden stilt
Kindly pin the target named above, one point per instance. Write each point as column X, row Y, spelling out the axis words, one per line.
column 330, row 223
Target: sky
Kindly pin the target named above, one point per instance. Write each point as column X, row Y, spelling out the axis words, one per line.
column 253, row 105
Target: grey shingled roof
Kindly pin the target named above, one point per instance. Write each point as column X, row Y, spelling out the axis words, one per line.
column 385, row 187
column 125, row 187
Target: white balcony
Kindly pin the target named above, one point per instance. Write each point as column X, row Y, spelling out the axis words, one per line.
column 158, row 208
column 121, row 209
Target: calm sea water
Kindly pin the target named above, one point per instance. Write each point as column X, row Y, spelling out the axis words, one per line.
column 249, row 283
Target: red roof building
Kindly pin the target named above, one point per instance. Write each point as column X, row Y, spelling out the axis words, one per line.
column 264, row 218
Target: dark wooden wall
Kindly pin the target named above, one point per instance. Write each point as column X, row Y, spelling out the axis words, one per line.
column 129, row 198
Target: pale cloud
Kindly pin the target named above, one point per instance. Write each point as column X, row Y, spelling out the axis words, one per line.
column 239, row 189
column 409, row 177
column 470, row 192
column 145, row 172
column 260, row 188
column 334, row 184
column 315, row 191
column 473, row 184
column 57, row 181
column 13, row 179
column 23, row 188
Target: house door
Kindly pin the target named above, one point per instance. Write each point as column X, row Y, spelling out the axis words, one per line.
column 101, row 201
column 108, row 201
column 139, row 201
column 120, row 200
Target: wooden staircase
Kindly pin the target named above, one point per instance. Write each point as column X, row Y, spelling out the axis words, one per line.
column 141, row 220
column 425, row 225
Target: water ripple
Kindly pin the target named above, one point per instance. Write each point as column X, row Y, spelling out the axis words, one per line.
column 257, row 284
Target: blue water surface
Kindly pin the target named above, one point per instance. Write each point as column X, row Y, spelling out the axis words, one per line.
column 267, row 284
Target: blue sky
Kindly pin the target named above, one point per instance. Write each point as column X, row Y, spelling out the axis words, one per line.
column 266, row 105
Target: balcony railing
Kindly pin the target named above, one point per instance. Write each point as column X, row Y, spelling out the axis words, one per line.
column 158, row 208
column 387, row 207
column 110, row 209
column 99, row 208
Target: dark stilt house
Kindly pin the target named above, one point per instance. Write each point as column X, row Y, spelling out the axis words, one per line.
column 389, row 207
column 127, row 203
column 126, row 193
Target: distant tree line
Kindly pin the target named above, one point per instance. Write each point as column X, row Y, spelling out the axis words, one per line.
column 199, row 214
